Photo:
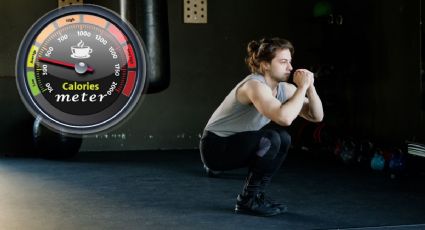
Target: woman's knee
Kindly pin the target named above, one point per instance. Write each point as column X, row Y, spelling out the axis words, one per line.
column 285, row 137
column 269, row 144
column 285, row 142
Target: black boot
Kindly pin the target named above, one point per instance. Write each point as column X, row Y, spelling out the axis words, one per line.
column 265, row 180
column 251, row 200
column 272, row 203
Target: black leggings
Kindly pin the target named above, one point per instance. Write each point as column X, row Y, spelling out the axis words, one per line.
column 263, row 151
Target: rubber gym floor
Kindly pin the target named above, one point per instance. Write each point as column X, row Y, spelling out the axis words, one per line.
column 169, row 190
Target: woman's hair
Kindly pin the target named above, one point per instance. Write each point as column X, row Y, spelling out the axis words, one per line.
column 264, row 51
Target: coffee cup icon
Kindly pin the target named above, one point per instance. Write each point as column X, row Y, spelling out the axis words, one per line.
column 80, row 51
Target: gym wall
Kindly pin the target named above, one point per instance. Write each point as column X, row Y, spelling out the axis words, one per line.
column 373, row 88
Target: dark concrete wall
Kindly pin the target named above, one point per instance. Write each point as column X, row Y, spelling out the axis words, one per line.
column 373, row 91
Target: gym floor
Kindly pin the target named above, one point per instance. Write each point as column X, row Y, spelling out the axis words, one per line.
column 169, row 190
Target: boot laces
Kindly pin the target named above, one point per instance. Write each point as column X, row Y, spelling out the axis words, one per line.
column 266, row 199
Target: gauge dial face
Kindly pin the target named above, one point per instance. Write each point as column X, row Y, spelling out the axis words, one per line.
column 82, row 68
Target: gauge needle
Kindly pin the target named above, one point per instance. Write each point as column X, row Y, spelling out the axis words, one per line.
column 64, row 64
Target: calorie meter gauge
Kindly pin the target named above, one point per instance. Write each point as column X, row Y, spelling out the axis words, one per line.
column 81, row 68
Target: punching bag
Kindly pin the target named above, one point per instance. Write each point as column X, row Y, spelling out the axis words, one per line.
column 150, row 17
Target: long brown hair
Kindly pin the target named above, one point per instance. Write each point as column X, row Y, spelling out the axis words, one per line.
column 264, row 50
